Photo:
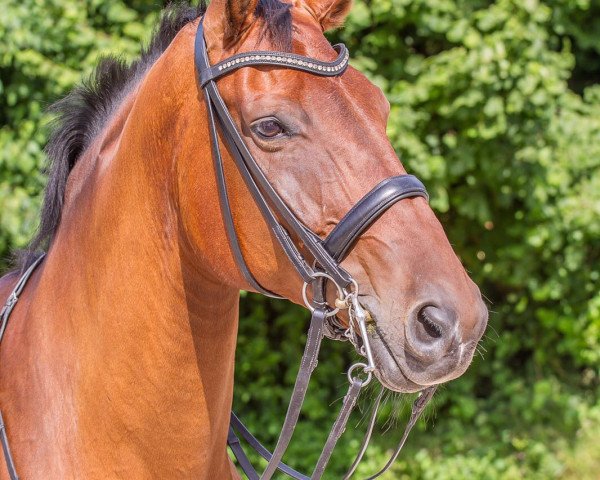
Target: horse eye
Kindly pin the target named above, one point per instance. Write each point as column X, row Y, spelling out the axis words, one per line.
column 270, row 128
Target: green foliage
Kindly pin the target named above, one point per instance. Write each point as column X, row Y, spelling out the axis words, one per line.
column 494, row 106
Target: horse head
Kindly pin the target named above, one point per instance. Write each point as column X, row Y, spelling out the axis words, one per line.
column 321, row 142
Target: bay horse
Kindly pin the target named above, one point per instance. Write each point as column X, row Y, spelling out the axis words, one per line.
column 118, row 359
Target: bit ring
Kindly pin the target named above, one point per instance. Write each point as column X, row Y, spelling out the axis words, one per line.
column 340, row 290
column 365, row 368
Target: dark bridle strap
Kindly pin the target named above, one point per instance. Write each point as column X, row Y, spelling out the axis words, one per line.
column 278, row 59
column 350, row 227
column 226, row 208
column 339, row 426
column 368, row 209
column 233, row 442
column 258, row 185
column 367, row 437
column 259, row 448
column 307, row 365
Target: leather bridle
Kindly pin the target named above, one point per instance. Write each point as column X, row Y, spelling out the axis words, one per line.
column 324, row 265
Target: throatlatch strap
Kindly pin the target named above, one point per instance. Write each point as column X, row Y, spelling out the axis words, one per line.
column 226, row 208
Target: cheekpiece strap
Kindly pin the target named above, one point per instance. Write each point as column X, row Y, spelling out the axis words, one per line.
column 278, row 59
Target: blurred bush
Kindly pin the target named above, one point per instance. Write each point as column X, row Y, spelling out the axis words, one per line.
column 496, row 106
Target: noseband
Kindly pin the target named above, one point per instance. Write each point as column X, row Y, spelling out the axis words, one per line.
column 323, row 266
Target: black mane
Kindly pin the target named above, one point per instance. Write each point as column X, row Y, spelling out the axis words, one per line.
column 81, row 115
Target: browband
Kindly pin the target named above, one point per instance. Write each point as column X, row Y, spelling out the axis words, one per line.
column 278, row 59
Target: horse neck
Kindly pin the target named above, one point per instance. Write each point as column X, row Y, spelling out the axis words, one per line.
column 151, row 329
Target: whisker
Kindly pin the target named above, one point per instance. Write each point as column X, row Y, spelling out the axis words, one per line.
column 487, row 298
column 490, row 326
column 366, row 412
column 486, row 337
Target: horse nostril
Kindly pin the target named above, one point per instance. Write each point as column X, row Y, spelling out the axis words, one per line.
column 427, row 316
column 431, row 333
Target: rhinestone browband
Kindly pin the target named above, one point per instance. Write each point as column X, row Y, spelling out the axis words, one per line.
column 289, row 60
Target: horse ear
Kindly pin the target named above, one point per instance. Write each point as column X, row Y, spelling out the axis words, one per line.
column 330, row 13
column 236, row 15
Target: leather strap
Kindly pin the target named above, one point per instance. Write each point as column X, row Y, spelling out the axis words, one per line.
column 226, row 208
column 417, row 409
column 233, row 442
column 266, row 210
column 368, row 209
column 258, row 447
column 10, row 464
column 338, row 428
column 269, row 202
column 9, row 306
column 367, row 437
column 266, row 198
column 257, row 183
column 13, row 298
column 307, row 365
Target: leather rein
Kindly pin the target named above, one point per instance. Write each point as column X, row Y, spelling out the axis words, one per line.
column 324, row 266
